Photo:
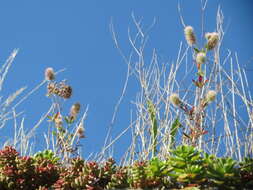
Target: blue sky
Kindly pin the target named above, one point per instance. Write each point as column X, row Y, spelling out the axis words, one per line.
column 75, row 35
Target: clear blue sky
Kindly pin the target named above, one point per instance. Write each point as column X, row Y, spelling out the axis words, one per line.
column 75, row 35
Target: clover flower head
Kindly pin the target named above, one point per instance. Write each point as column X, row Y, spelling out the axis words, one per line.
column 200, row 58
column 65, row 91
column 208, row 35
column 210, row 96
column 75, row 108
column 174, row 99
column 49, row 74
column 80, row 131
column 212, row 40
column 189, row 35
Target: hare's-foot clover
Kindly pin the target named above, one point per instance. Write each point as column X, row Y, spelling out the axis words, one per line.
column 189, row 35
column 212, row 40
column 67, row 139
column 200, row 59
column 174, row 99
column 49, row 74
column 210, row 96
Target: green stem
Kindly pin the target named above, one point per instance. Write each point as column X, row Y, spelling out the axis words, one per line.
column 152, row 114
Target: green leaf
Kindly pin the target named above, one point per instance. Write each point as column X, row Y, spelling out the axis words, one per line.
column 69, row 120
column 54, row 133
column 154, row 126
column 196, row 50
column 173, row 132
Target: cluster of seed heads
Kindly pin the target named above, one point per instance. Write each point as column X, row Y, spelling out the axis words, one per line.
column 193, row 113
column 209, row 97
column 200, row 58
column 60, row 89
column 211, row 37
column 212, row 41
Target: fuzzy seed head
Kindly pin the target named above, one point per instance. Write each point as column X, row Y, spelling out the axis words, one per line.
column 200, row 58
column 59, row 89
column 212, row 40
column 52, row 88
column 49, row 74
column 189, row 35
column 65, row 91
column 208, row 35
column 174, row 99
column 75, row 109
column 210, row 96
column 80, row 131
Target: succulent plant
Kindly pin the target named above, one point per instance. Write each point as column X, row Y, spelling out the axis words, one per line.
column 47, row 167
column 186, row 166
column 138, row 175
column 47, row 172
column 24, row 172
column 67, row 176
column 47, row 155
column 222, row 172
column 119, row 179
column 86, row 175
column 156, row 171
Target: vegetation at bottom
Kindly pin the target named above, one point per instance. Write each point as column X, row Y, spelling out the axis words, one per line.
column 186, row 167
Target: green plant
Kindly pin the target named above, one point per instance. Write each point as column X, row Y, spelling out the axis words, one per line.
column 119, row 180
column 67, row 179
column 86, row 175
column 196, row 113
column 203, row 82
column 65, row 137
column 222, row 172
column 173, row 132
column 47, row 155
column 66, row 131
column 138, row 175
column 47, row 170
column 154, row 127
column 157, row 174
column 186, row 166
